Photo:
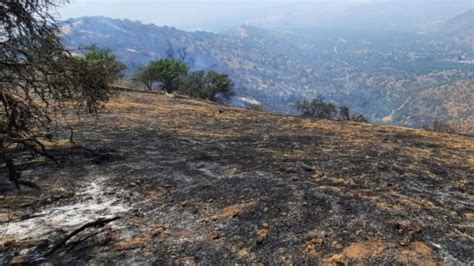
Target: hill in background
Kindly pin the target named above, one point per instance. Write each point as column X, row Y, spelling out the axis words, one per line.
column 461, row 25
column 452, row 103
column 373, row 72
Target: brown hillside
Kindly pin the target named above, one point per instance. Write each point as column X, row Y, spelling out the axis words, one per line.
column 452, row 103
column 195, row 182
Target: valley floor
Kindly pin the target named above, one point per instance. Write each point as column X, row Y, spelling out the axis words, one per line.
column 194, row 182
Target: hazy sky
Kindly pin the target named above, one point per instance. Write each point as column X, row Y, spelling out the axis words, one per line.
column 218, row 15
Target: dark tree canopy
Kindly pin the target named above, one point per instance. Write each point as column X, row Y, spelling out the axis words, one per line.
column 319, row 109
column 442, row 126
column 37, row 75
column 358, row 117
column 145, row 76
column 343, row 113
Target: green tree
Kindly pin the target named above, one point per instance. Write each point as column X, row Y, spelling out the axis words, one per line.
column 37, row 76
column 319, row 109
column 144, row 76
column 167, row 72
column 219, row 85
column 209, row 85
column 193, row 84
column 107, row 60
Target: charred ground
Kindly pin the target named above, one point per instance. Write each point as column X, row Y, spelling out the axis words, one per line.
column 196, row 182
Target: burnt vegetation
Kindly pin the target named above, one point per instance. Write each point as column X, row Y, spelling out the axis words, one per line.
column 441, row 126
column 197, row 182
column 39, row 77
column 193, row 182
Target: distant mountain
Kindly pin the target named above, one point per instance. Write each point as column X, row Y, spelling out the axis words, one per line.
column 373, row 72
column 455, row 32
column 134, row 43
column 462, row 24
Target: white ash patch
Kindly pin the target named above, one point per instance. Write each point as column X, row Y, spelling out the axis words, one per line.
column 244, row 101
column 93, row 202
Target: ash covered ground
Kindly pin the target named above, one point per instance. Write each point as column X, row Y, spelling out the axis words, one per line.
column 198, row 183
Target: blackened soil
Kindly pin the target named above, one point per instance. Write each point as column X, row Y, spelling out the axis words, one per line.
column 211, row 184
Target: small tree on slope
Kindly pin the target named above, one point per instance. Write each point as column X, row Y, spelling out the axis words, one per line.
column 167, row 72
column 209, row 85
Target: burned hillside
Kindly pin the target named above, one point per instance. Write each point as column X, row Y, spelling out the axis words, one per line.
column 195, row 182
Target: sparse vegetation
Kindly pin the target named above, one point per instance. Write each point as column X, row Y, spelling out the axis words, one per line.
column 319, row 109
column 442, row 108
column 255, row 107
column 441, row 126
column 343, row 113
column 358, row 117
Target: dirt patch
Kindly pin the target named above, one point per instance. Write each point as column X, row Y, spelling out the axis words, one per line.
column 418, row 253
column 357, row 252
column 230, row 211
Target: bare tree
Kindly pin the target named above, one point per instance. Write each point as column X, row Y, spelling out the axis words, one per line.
column 358, row 117
column 180, row 54
column 37, row 76
column 343, row 113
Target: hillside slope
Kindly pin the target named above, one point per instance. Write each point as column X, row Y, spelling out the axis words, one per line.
column 369, row 71
column 461, row 25
column 451, row 103
column 196, row 182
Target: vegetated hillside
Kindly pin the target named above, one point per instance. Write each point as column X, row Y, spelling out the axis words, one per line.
column 371, row 72
column 451, row 103
column 196, row 182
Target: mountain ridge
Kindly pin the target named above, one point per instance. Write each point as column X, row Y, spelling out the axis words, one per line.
column 460, row 24
column 277, row 69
